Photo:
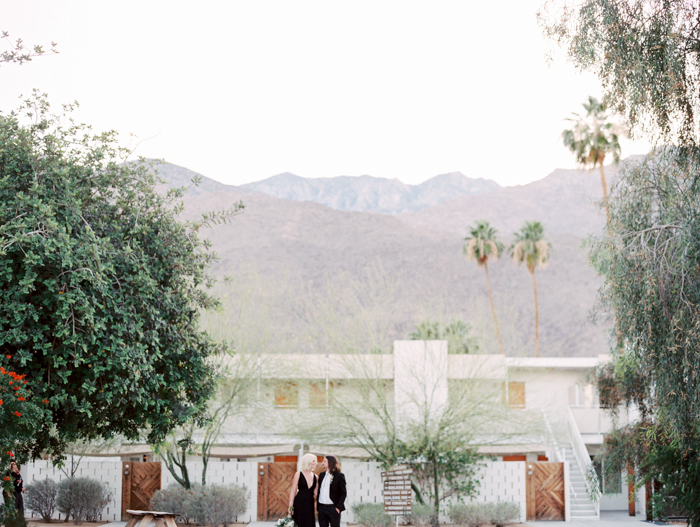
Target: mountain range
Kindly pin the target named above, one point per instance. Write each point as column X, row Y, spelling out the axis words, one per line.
column 307, row 268
column 372, row 194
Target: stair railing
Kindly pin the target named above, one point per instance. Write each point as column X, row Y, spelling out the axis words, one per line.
column 583, row 459
column 559, row 452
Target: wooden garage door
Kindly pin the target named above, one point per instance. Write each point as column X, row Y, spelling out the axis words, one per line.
column 274, row 484
column 139, row 482
column 545, row 491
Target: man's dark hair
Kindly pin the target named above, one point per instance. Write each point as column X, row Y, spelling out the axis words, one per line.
column 333, row 467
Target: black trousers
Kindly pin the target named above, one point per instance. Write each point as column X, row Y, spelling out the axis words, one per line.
column 328, row 515
column 19, row 502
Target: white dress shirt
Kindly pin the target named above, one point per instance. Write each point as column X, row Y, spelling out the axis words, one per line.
column 324, row 495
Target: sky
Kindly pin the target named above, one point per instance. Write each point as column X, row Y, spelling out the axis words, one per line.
column 242, row 90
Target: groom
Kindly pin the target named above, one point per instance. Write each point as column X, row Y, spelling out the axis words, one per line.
column 332, row 493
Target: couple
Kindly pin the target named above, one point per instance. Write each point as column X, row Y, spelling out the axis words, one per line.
column 330, row 490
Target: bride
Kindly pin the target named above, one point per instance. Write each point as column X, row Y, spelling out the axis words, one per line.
column 303, row 493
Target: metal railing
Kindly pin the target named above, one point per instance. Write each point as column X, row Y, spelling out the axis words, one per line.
column 583, row 460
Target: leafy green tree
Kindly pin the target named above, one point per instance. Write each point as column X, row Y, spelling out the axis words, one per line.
column 458, row 335
column 591, row 139
column 652, row 286
column 530, row 247
column 482, row 245
column 101, row 285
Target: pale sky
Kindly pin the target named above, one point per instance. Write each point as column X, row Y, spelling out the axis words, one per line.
column 243, row 90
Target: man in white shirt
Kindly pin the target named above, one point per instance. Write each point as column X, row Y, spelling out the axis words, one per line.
column 332, row 493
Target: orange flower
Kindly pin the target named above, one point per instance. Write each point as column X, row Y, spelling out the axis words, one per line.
column 6, row 478
column 21, row 399
column 8, row 356
column 18, row 414
column 0, row 402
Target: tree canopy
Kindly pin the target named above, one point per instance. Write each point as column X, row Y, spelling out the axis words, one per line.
column 102, row 286
column 646, row 53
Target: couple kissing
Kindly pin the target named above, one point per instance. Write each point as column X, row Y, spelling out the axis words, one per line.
column 328, row 490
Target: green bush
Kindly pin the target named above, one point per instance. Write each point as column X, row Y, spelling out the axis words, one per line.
column 175, row 498
column 214, row 505
column 371, row 515
column 82, row 498
column 476, row 514
column 422, row 515
column 41, row 498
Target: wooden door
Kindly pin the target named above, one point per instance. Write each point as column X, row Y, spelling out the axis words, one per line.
column 274, row 484
column 545, row 491
column 139, row 482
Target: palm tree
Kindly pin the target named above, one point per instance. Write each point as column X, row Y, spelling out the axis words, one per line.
column 482, row 244
column 530, row 248
column 591, row 139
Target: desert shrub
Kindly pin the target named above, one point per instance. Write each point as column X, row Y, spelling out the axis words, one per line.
column 469, row 514
column 421, row 515
column 217, row 504
column 503, row 513
column 476, row 514
column 371, row 515
column 82, row 498
column 175, row 498
column 41, row 498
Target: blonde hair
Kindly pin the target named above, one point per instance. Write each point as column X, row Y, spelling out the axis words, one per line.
column 306, row 461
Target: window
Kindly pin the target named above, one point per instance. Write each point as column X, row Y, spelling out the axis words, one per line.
column 287, row 395
column 515, row 394
column 317, row 394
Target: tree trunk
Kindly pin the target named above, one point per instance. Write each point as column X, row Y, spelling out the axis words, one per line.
column 537, row 318
column 493, row 311
column 436, row 491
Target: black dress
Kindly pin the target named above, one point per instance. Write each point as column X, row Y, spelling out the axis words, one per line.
column 304, row 503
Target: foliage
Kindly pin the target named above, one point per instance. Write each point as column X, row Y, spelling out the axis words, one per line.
column 19, row 53
column 592, row 138
column 652, row 285
column 41, row 498
column 371, row 515
column 82, row 498
column 645, row 53
column 214, row 505
column 530, row 247
column 482, row 244
column 468, row 514
column 101, row 284
column 421, row 515
column 475, row 514
column 456, row 333
column 175, row 498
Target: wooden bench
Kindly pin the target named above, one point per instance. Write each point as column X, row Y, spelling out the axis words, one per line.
column 161, row 519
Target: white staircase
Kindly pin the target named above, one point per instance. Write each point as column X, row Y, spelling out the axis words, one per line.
column 580, row 505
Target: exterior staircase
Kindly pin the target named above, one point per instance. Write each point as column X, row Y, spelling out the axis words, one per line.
column 580, row 506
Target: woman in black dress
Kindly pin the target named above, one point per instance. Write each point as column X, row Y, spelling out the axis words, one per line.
column 303, row 493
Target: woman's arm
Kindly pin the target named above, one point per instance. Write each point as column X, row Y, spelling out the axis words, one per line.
column 293, row 491
column 316, row 488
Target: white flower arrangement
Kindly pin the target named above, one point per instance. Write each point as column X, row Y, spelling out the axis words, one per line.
column 287, row 521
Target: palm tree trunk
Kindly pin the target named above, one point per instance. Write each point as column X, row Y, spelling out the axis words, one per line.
column 537, row 318
column 605, row 195
column 493, row 311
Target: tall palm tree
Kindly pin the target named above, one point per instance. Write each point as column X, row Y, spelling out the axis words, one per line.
column 530, row 248
column 591, row 139
column 483, row 244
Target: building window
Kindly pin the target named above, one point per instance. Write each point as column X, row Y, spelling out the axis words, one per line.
column 287, row 395
column 318, row 398
column 515, row 394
